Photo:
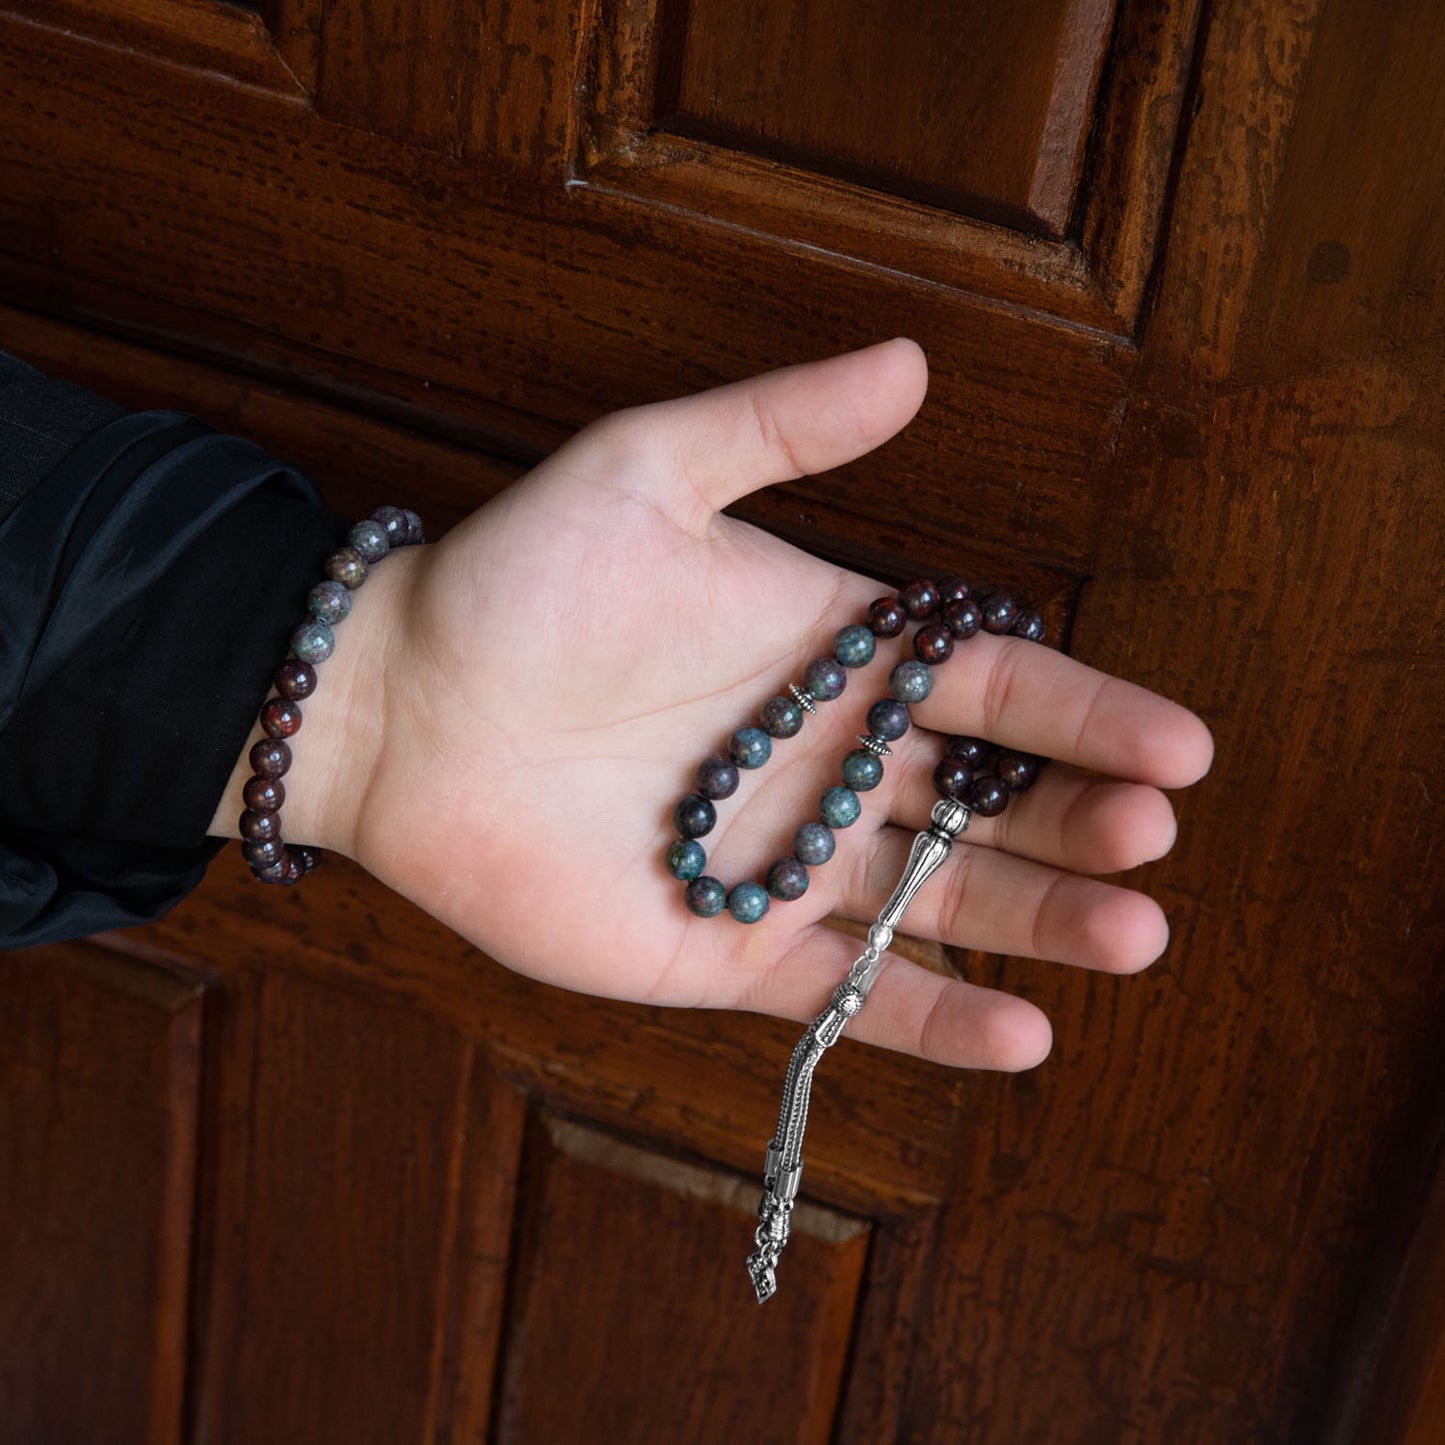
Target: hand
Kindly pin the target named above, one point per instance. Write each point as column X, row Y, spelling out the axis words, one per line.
column 524, row 703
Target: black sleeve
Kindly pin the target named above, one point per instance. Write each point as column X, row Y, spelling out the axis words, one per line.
column 151, row 573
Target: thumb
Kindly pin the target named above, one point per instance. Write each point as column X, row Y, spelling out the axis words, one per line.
column 707, row 450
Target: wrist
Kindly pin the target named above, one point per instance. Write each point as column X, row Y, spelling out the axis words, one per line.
column 334, row 755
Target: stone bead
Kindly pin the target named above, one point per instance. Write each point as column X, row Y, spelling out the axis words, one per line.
column 295, row 679
column 295, row 870
column 970, row 750
column 263, row 852
column 346, row 566
column 313, row 642
column 951, row 589
column 862, row 771
column 999, row 613
column 814, row 844
column 1018, row 770
column 328, row 602
column 952, row 778
column 963, row 618
column 308, row 858
column 919, row 598
column 787, row 880
column 263, row 795
column 748, row 901
column 270, row 758
column 280, row 718
column 750, row 747
column 1029, row 626
column 260, row 827
column 705, row 897
column 415, row 535
column 686, row 859
column 393, row 522
column 888, row 719
column 839, row 807
column 276, row 873
column 988, row 797
column 782, row 717
column 854, row 646
column 933, row 644
column 717, row 778
column 910, row 681
column 694, row 817
column 825, row 679
column 369, row 539
column 887, row 617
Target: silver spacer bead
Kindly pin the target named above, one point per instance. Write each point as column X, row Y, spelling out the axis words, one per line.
column 876, row 746
column 803, row 699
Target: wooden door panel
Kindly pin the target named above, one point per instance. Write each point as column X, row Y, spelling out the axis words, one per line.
column 100, row 1072
column 427, row 241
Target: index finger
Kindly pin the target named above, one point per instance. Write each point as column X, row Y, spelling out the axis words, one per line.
column 1024, row 696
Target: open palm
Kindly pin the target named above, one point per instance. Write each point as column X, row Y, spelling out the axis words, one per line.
column 560, row 663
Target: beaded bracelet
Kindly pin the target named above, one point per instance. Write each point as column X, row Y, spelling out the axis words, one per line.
column 972, row 777
column 327, row 605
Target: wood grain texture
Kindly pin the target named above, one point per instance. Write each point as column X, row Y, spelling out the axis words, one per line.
column 968, row 108
column 1219, row 454
column 100, row 1063
column 361, row 1131
column 630, row 1287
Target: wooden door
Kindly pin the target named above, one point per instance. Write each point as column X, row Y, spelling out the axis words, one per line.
column 306, row 1168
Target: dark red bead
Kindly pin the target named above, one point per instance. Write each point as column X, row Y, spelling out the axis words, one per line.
column 951, row 589
column 887, row 617
column 295, row 870
column 717, row 778
column 260, row 827
column 962, row 618
column 263, row 795
column 969, row 750
column 933, row 644
column 1018, row 770
column 280, row 718
column 919, row 598
column 295, row 679
column 999, row 613
column 263, row 852
column 1029, row 626
column 270, row 758
column 952, row 778
column 308, row 858
column 988, row 797
column 276, row 873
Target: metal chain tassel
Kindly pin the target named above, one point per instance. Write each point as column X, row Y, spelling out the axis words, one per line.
column 783, row 1164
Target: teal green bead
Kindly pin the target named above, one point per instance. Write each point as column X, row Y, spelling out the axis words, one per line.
column 313, row 642
column 862, row 771
column 839, row 807
column 748, row 902
column 814, row 844
column 686, row 858
column 854, row 646
column 705, row 897
column 750, row 747
column 328, row 602
column 911, row 681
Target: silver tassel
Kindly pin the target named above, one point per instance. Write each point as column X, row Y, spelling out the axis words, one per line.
column 783, row 1164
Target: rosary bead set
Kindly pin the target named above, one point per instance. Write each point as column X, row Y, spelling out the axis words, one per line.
column 970, row 772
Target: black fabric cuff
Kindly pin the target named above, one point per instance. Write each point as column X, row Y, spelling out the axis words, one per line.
column 148, row 589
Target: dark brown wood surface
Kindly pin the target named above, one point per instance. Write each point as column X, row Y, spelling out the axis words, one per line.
column 1187, row 392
